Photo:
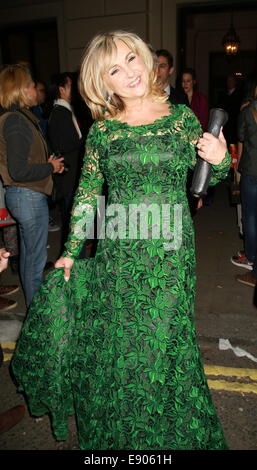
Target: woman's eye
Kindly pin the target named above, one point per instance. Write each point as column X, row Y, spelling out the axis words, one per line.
column 132, row 57
column 113, row 71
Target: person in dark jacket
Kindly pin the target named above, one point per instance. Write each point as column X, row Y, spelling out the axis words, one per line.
column 65, row 139
column 247, row 166
column 164, row 71
column 26, row 171
column 231, row 101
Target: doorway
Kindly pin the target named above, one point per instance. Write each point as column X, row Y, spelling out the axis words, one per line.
column 221, row 66
column 201, row 28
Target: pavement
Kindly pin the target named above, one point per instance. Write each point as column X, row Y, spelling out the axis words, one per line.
column 226, row 320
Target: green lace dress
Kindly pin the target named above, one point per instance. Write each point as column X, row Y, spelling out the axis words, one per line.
column 116, row 344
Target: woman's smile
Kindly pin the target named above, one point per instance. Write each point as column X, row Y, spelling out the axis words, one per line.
column 135, row 83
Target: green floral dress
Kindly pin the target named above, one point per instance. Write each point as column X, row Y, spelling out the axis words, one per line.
column 116, row 344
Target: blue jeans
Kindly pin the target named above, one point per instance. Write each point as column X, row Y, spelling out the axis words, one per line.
column 30, row 209
column 249, row 214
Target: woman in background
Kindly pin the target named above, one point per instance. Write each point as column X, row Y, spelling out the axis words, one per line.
column 197, row 100
column 26, row 170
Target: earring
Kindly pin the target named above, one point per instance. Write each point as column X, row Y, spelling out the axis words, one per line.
column 109, row 99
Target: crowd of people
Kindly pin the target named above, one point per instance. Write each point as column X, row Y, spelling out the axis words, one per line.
column 112, row 336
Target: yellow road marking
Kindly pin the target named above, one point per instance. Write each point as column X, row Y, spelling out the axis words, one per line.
column 10, row 345
column 232, row 386
column 7, row 357
column 230, row 372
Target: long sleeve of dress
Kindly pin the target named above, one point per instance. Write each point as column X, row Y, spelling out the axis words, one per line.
column 218, row 172
column 85, row 200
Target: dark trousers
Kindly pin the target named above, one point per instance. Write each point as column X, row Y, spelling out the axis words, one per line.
column 65, row 210
column 249, row 214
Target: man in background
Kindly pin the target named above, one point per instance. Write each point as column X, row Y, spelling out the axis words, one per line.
column 231, row 101
column 65, row 138
column 165, row 70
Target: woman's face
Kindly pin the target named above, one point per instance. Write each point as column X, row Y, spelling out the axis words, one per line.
column 187, row 82
column 127, row 75
column 41, row 93
column 31, row 93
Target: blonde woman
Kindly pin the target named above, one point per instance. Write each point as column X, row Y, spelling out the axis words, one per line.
column 26, row 171
column 115, row 342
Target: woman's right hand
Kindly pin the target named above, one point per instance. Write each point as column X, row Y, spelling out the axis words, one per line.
column 58, row 164
column 66, row 264
column 4, row 255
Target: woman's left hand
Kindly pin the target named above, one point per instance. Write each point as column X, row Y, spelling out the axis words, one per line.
column 212, row 149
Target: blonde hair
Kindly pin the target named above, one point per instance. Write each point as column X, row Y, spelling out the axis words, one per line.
column 95, row 63
column 13, row 80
